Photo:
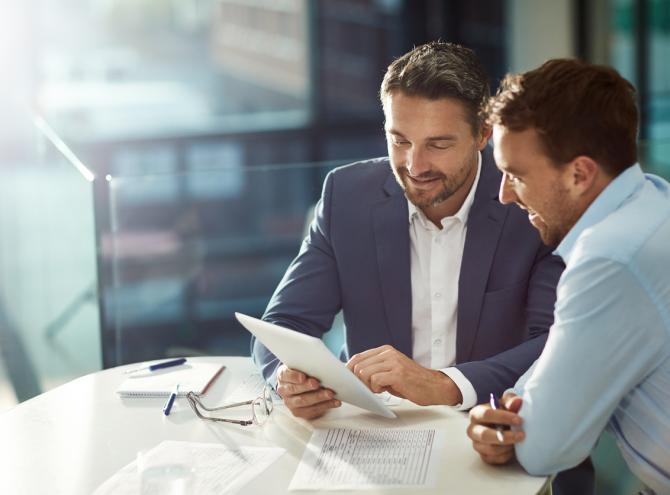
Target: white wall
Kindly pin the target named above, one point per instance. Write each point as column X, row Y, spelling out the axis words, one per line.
column 539, row 30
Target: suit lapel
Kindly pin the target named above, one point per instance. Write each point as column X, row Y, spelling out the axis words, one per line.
column 485, row 224
column 390, row 219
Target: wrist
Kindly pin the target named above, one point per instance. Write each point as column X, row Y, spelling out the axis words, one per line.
column 448, row 393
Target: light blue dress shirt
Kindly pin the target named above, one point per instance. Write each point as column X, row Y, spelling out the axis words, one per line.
column 606, row 363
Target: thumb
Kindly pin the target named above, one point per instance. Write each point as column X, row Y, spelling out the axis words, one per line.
column 512, row 403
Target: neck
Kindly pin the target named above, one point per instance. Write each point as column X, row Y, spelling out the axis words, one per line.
column 583, row 203
column 599, row 185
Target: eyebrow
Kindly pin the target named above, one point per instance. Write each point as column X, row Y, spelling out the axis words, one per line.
column 510, row 170
column 447, row 137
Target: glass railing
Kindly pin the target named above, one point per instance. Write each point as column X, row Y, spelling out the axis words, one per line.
column 141, row 264
column 184, row 251
column 49, row 318
column 97, row 271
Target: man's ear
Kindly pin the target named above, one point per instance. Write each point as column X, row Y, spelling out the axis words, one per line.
column 483, row 136
column 583, row 174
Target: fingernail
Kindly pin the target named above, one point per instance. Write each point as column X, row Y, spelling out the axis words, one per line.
column 518, row 420
column 337, row 403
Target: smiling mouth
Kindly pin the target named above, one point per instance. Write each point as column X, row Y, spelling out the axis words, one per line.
column 423, row 182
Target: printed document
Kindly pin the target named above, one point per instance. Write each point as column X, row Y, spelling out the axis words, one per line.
column 344, row 459
column 212, row 468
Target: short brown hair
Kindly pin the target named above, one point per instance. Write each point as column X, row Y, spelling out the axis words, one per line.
column 439, row 70
column 576, row 108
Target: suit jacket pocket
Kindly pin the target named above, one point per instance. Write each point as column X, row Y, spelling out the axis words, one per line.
column 502, row 322
column 511, row 291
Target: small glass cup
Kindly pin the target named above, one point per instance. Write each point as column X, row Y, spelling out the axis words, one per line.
column 159, row 476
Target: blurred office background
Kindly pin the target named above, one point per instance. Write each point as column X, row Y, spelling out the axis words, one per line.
column 159, row 158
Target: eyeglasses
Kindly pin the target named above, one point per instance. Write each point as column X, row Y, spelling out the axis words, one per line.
column 261, row 408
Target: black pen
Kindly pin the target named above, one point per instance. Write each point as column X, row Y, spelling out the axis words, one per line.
column 495, row 404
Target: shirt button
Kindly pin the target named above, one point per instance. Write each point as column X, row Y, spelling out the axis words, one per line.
column 438, row 295
column 438, row 240
column 437, row 342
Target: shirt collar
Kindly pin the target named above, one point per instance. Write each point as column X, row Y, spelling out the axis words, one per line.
column 463, row 211
column 609, row 200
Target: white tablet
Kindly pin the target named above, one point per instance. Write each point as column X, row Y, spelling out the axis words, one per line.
column 310, row 355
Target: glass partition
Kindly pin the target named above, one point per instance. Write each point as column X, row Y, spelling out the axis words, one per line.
column 49, row 320
column 185, row 250
column 142, row 264
column 655, row 157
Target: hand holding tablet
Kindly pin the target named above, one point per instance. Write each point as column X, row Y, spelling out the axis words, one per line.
column 310, row 356
column 303, row 394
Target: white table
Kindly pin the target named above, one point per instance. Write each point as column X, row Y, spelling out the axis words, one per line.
column 71, row 439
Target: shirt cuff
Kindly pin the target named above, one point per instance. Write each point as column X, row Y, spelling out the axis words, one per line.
column 466, row 388
column 272, row 379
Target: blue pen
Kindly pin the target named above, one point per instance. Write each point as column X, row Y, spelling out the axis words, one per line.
column 168, row 405
column 159, row 366
column 493, row 401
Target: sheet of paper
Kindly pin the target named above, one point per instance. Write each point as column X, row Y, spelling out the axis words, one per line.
column 344, row 459
column 216, row 469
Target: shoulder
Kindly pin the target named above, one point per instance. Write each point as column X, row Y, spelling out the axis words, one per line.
column 634, row 231
column 366, row 178
column 631, row 229
column 372, row 168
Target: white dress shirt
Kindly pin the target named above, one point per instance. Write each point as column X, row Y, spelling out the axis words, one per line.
column 435, row 262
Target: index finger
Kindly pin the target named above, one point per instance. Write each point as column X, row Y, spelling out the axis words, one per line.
column 512, row 402
column 491, row 436
column 357, row 358
column 483, row 414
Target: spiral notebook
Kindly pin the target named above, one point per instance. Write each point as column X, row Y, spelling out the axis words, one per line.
column 192, row 377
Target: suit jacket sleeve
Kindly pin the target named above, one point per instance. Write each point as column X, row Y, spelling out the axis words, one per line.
column 497, row 373
column 308, row 296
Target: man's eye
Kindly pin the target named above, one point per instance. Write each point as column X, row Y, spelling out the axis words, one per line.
column 400, row 142
column 440, row 146
column 513, row 179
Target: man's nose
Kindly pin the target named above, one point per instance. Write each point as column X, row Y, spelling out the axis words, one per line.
column 417, row 163
column 506, row 194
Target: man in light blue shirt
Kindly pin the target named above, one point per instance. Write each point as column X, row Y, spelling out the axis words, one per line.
column 565, row 140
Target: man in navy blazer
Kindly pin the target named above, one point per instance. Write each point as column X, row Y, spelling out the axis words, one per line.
column 447, row 295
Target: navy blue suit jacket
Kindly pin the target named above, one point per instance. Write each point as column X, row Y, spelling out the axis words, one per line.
column 356, row 258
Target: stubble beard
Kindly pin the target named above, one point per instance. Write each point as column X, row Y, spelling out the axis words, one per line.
column 552, row 235
column 449, row 185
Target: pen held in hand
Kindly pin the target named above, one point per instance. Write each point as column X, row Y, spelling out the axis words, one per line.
column 495, row 404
